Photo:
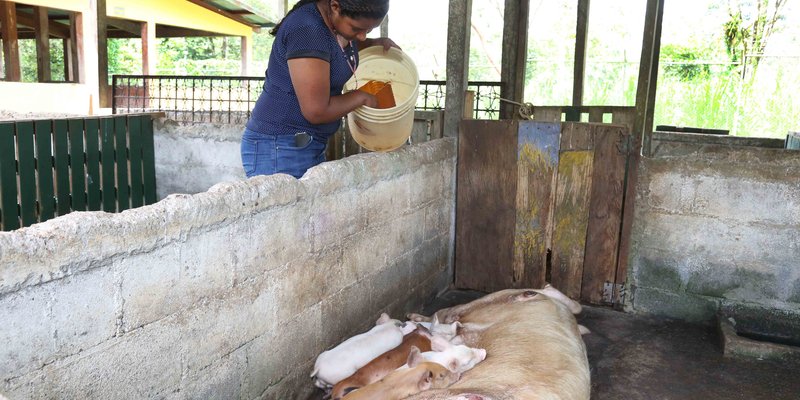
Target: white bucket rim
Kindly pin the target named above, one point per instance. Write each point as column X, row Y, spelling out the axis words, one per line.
column 377, row 52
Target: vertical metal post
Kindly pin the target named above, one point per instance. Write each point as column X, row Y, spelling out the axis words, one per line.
column 458, row 35
column 515, row 54
column 580, row 52
column 648, row 75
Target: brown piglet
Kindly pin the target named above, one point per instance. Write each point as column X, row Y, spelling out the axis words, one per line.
column 401, row 383
column 384, row 364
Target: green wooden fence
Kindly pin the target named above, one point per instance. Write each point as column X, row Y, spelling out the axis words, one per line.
column 49, row 168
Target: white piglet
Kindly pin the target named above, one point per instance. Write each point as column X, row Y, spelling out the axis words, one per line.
column 345, row 359
column 457, row 358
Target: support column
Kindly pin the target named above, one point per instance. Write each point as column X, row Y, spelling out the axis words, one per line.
column 102, row 54
column 385, row 27
column 515, row 55
column 580, row 52
column 149, row 48
column 458, row 34
column 642, row 129
column 648, row 75
column 76, row 70
column 247, row 55
column 8, row 20
column 67, row 58
column 42, row 29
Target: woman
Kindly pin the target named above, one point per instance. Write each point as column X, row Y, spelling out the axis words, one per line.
column 315, row 52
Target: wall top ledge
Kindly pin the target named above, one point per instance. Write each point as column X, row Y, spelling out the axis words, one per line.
column 81, row 241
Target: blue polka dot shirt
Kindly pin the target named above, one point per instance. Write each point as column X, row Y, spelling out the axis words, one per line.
column 303, row 34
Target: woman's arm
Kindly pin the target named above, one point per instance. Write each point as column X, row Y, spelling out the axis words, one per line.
column 311, row 81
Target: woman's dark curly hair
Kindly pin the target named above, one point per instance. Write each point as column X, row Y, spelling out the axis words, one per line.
column 373, row 9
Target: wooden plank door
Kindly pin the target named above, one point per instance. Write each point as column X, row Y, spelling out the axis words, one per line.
column 486, row 204
column 540, row 202
column 571, row 212
column 537, row 160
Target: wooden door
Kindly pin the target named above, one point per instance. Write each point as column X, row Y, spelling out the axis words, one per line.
column 540, row 202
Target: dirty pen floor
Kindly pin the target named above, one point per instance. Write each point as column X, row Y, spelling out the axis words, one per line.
column 641, row 357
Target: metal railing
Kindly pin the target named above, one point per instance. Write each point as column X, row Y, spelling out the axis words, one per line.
column 230, row 99
column 190, row 99
column 486, row 102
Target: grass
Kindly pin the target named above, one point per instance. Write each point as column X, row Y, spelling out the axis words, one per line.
column 766, row 106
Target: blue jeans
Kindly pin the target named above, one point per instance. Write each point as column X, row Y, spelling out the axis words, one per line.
column 264, row 154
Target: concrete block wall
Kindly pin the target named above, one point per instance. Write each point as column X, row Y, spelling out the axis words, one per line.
column 192, row 158
column 716, row 226
column 229, row 293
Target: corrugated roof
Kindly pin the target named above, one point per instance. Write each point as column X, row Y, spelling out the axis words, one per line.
column 263, row 13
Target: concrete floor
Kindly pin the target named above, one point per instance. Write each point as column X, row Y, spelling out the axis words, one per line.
column 642, row 357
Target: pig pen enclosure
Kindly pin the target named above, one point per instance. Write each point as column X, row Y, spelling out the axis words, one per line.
column 682, row 248
column 233, row 291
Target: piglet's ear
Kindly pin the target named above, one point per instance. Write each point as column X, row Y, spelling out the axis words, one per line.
column 384, row 318
column 439, row 343
column 414, row 357
column 426, row 380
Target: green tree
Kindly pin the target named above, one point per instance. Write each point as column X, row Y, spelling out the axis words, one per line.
column 749, row 27
column 684, row 62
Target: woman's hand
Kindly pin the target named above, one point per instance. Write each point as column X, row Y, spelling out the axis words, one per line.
column 385, row 42
column 367, row 99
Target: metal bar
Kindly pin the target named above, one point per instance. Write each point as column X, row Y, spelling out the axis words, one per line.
column 135, row 138
column 149, row 160
column 44, row 168
column 92, row 163
column 9, row 214
column 26, row 170
column 61, row 162
column 121, row 159
column 108, row 190
column 76, row 164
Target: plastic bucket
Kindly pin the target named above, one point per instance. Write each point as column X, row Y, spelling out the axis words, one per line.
column 384, row 129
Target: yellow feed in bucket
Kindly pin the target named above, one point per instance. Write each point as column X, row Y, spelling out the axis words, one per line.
column 382, row 91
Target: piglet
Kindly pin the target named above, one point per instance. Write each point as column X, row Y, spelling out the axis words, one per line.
column 385, row 363
column 457, row 358
column 343, row 360
column 401, row 383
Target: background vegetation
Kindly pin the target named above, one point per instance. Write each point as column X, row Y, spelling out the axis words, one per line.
column 725, row 64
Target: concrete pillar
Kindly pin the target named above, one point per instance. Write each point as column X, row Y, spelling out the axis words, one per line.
column 458, row 34
column 102, row 54
column 89, row 53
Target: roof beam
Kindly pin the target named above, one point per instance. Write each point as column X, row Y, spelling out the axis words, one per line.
column 132, row 27
column 163, row 31
column 57, row 29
